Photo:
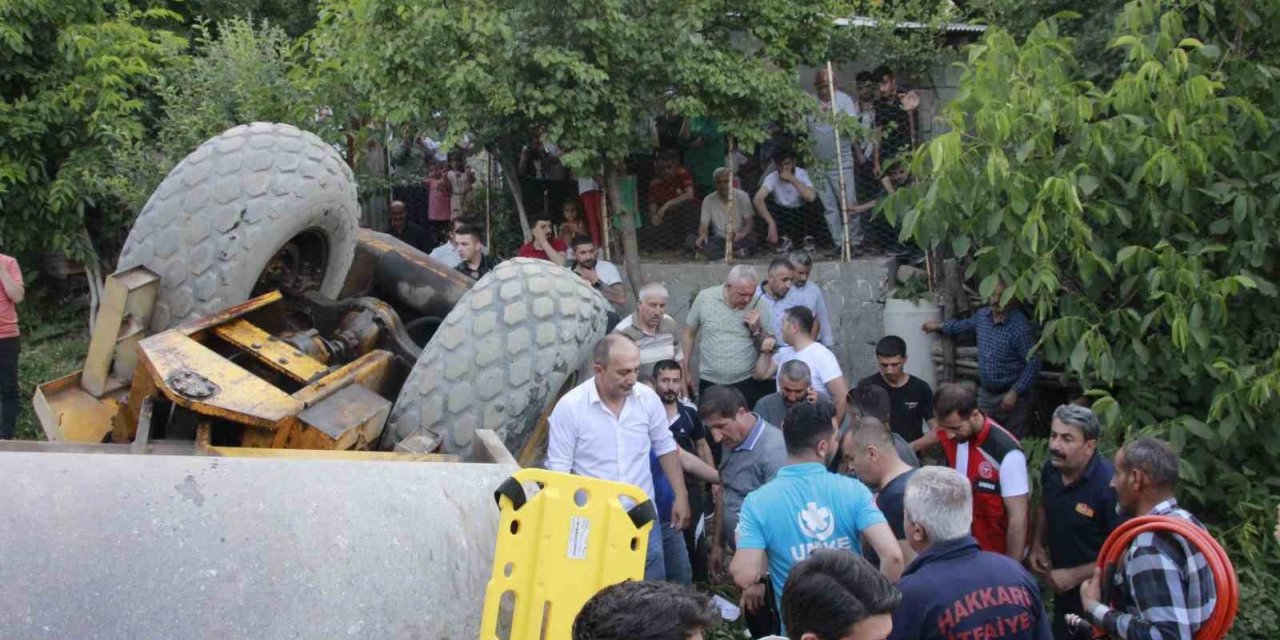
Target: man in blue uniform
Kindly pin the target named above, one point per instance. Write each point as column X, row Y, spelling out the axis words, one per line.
column 953, row 590
column 1077, row 512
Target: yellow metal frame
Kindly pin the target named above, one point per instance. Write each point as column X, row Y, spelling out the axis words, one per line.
column 557, row 549
column 270, row 415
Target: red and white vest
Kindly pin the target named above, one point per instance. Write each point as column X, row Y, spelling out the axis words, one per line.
column 987, row 449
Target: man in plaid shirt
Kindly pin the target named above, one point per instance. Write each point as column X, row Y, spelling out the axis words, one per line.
column 1007, row 365
column 1164, row 589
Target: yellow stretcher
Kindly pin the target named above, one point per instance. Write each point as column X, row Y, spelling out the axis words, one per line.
column 558, row 547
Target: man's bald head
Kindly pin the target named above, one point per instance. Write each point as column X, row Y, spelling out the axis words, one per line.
column 868, row 451
column 869, row 431
column 613, row 345
column 617, row 366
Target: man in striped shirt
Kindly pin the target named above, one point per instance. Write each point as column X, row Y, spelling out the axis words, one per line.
column 655, row 332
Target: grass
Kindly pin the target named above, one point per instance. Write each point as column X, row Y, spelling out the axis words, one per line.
column 55, row 338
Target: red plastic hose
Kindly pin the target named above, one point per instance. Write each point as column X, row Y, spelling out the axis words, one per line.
column 1224, row 573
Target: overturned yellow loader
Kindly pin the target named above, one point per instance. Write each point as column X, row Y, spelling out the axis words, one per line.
column 249, row 311
column 289, row 374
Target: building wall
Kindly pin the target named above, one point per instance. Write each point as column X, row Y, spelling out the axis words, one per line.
column 854, row 292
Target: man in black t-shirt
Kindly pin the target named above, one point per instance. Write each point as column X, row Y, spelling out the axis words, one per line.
column 474, row 263
column 910, row 398
column 404, row 230
column 868, row 451
column 691, row 435
column 896, row 109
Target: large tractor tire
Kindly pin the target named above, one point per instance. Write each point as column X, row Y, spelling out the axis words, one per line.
column 500, row 356
column 256, row 195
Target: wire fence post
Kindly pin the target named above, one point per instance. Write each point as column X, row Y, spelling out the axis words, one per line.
column 846, row 252
column 731, row 227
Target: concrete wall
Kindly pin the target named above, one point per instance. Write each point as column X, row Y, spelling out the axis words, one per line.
column 854, row 292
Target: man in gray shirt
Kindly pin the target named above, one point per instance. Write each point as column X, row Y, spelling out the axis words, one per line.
column 794, row 384
column 752, row 452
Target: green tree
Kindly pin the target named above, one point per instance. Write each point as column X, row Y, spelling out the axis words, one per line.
column 590, row 72
column 75, row 84
column 1140, row 219
column 238, row 72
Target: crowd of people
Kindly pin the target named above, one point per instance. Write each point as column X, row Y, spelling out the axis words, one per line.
column 690, row 190
column 771, row 473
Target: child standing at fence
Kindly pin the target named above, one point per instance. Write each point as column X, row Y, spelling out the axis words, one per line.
column 573, row 224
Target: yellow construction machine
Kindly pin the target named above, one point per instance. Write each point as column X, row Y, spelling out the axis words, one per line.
column 288, row 372
column 249, row 311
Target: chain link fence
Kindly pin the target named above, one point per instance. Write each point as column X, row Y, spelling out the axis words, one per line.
column 785, row 194
column 680, row 212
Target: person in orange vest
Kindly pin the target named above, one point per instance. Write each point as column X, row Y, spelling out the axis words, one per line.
column 993, row 461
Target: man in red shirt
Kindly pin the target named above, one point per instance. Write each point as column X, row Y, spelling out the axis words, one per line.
column 672, row 187
column 993, row 461
column 543, row 245
column 11, row 294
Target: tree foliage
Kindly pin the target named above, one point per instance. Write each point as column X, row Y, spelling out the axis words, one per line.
column 75, row 78
column 590, row 72
column 1140, row 219
column 238, row 72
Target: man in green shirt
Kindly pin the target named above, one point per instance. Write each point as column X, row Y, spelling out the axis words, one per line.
column 705, row 151
column 731, row 328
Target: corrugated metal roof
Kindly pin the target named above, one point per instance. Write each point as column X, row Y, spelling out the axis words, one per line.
column 864, row 21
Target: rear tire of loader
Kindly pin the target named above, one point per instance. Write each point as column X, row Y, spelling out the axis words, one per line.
column 234, row 205
column 500, row 356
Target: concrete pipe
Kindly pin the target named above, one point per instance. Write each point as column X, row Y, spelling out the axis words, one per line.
column 120, row 546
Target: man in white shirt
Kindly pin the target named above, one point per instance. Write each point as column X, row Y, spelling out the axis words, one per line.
column 602, row 275
column 826, row 377
column 783, row 195
column 993, row 461
column 714, row 223
column 605, row 427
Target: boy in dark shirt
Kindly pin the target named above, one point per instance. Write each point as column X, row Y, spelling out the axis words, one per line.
column 474, row 263
column 910, row 398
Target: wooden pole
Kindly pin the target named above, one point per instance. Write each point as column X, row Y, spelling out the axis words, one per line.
column 950, row 293
column 730, row 227
column 847, row 253
column 488, row 189
column 604, row 222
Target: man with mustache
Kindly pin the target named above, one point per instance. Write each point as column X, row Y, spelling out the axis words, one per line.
column 1077, row 512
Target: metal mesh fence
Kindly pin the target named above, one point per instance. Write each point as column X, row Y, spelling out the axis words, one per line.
column 671, row 190
column 785, row 194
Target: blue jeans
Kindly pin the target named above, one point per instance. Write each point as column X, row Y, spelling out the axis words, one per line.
column 676, row 556
column 654, row 565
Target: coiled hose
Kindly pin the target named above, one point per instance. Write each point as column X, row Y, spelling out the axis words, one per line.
column 1224, row 573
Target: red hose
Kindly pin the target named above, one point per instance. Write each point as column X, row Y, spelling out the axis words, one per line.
column 1224, row 573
